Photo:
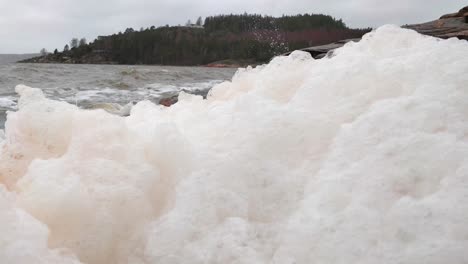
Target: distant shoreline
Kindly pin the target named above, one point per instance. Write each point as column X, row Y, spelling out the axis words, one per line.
column 13, row 58
column 218, row 65
column 229, row 63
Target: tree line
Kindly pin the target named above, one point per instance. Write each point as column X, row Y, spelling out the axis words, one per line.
column 247, row 36
column 246, row 22
column 74, row 43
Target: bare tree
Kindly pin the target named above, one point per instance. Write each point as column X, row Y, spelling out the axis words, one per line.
column 83, row 42
column 43, row 52
column 74, row 43
column 66, row 48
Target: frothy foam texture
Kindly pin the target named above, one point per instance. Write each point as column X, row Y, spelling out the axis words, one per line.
column 357, row 158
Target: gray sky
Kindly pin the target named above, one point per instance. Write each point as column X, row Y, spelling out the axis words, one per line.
column 26, row 26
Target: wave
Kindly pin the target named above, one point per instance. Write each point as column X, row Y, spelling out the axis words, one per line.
column 357, row 158
column 7, row 103
column 145, row 74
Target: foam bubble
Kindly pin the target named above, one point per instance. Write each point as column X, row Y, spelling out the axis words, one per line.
column 24, row 239
column 357, row 158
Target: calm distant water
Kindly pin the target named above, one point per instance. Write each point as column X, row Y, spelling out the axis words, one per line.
column 91, row 85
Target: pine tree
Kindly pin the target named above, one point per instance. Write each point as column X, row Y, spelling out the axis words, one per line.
column 199, row 21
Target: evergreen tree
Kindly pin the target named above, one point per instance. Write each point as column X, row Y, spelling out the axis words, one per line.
column 82, row 42
column 74, row 43
column 199, row 21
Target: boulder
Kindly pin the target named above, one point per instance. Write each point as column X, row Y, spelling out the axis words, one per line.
column 168, row 101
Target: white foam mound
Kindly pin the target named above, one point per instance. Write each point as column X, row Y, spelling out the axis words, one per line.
column 359, row 158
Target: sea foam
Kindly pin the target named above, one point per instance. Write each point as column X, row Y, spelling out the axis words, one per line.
column 357, row 158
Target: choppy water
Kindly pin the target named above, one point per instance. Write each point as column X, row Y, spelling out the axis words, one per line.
column 92, row 85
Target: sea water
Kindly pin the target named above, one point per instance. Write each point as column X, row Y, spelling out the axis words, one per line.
column 109, row 87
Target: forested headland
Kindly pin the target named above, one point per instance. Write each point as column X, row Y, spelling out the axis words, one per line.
column 246, row 37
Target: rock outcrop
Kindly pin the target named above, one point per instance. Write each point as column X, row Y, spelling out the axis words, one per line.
column 321, row 51
column 462, row 13
column 447, row 26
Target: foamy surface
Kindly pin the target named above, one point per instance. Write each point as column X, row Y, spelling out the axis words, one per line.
column 358, row 158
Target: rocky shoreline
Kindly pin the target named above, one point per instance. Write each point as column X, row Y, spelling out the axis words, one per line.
column 94, row 58
column 67, row 58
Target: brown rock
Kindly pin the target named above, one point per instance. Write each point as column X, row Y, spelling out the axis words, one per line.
column 463, row 10
column 461, row 13
column 449, row 15
column 169, row 101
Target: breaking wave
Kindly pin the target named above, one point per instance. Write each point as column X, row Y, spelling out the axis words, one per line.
column 357, row 158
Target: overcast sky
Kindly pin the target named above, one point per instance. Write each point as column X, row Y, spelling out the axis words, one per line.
column 26, row 26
